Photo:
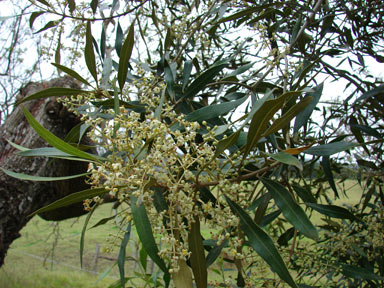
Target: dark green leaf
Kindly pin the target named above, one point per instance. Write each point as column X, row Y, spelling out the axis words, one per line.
column 287, row 158
column 72, row 73
column 369, row 130
column 262, row 243
column 34, row 16
column 144, row 231
column 291, row 210
column 23, row 176
column 121, row 257
column 52, row 92
column 304, row 193
column 325, row 163
column 168, row 78
column 119, row 39
column 269, row 218
column 143, row 259
column 303, row 116
column 186, row 73
column 213, row 111
column 261, row 118
column 205, row 78
column 83, row 232
column 359, row 273
column 197, row 258
column 125, row 55
column 44, row 2
column 58, row 51
column 72, row 5
column 371, row 93
column 226, row 142
column 71, row 199
column 89, row 53
column 102, row 43
column 103, row 221
column 286, row 236
column 132, row 105
column 94, row 4
column 330, row 148
column 357, row 133
column 332, row 211
column 56, row 141
column 214, row 253
column 284, row 120
column 47, row 26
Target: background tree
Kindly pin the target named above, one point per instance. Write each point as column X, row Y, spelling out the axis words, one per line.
column 203, row 113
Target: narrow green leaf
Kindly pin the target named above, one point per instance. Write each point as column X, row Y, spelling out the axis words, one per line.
column 262, row 117
column 18, row 147
column 168, row 78
column 89, row 54
column 49, row 152
column 283, row 121
column 357, row 133
column 214, row 253
column 303, row 116
column 291, row 210
column 287, row 158
column 72, row 73
column 197, row 258
column 143, row 258
column 144, row 231
column 72, row 5
column 262, row 244
column 213, row 111
column 304, row 193
column 94, row 4
column 366, row 129
column 56, row 141
column 125, row 55
column 226, row 142
column 239, row 70
column 47, row 26
column 58, row 51
column 71, row 199
column 371, row 93
column 325, row 163
column 119, row 39
column 105, row 273
column 82, row 238
column 52, row 92
column 102, row 42
column 121, row 257
column 205, row 78
column 34, row 16
column 23, row 176
column 103, row 221
column 186, row 73
column 359, row 273
column 269, row 218
column 44, row 2
column 333, row 211
column 330, row 148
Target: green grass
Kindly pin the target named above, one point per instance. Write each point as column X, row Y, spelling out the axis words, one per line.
column 47, row 254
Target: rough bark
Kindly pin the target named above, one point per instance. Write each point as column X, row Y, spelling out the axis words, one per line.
column 19, row 198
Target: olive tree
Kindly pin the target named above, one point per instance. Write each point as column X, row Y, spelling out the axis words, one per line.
column 204, row 116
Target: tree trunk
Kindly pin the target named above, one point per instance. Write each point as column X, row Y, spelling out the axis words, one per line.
column 20, row 198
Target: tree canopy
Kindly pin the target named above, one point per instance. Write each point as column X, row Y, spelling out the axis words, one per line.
column 215, row 137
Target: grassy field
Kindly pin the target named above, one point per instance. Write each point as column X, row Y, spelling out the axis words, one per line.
column 47, row 253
